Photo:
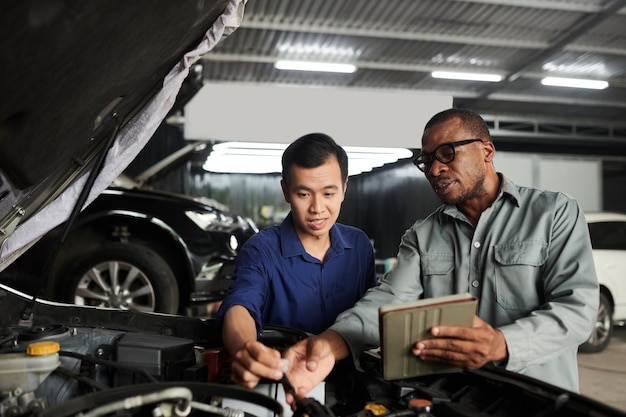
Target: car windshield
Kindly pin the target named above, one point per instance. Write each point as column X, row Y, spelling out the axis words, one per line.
column 608, row 235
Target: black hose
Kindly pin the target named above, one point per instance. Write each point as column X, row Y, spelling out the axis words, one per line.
column 108, row 363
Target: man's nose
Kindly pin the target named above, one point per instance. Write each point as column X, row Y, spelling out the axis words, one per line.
column 436, row 167
column 316, row 205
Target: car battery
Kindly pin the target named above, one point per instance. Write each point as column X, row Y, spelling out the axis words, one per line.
column 165, row 358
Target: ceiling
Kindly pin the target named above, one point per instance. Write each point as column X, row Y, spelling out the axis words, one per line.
column 396, row 44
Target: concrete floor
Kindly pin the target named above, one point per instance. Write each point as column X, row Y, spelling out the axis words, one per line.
column 603, row 375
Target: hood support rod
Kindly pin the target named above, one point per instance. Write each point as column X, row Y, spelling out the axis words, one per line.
column 93, row 174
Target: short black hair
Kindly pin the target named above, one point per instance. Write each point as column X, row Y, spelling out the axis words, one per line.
column 311, row 151
column 472, row 120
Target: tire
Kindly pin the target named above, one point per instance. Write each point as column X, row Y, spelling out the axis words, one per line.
column 127, row 276
column 603, row 329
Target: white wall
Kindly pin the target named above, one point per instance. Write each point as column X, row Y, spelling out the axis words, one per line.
column 579, row 177
column 517, row 167
column 280, row 114
column 257, row 113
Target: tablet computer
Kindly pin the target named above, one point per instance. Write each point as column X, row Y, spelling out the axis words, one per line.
column 402, row 324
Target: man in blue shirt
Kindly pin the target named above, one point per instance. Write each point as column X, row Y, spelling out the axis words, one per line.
column 302, row 273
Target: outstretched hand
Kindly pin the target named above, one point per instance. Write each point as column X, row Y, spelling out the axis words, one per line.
column 464, row 347
column 310, row 362
column 255, row 361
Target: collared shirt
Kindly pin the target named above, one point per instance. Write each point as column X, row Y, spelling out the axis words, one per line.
column 529, row 263
column 281, row 284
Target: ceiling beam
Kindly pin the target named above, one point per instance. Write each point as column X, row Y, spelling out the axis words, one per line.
column 567, row 6
column 581, row 27
column 426, row 69
column 393, row 34
column 429, row 37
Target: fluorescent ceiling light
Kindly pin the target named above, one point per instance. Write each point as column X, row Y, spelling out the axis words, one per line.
column 265, row 158
column 468, row 76
column 575, row 83
column 314, row 66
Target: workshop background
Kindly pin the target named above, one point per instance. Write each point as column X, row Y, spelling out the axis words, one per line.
column 566, row 138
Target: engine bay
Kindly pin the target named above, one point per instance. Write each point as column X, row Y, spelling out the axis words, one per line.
column 65, row 360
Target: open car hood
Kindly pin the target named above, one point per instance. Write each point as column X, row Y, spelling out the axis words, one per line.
column 80, row 78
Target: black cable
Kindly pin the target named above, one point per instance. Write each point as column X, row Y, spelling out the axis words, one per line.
column 401, row 413
column 110, row 364
column 7, row 339
column 305, row 406
column 276, row 387
column 81, row 378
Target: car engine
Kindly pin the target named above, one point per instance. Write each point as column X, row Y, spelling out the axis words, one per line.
column 61, row 360
column 66, row 361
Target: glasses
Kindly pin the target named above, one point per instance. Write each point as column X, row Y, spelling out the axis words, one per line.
column 444, row 153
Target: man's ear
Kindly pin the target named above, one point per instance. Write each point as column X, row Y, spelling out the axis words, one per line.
column 283, row 186
column 490, row 151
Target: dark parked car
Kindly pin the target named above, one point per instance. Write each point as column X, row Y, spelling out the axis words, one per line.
column 139, row 250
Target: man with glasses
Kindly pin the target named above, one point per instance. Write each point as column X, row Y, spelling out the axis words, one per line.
column 524, row 253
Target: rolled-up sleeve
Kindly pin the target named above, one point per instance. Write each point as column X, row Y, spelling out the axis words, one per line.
column 359, row 324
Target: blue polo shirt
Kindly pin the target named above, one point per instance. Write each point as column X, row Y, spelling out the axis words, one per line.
column 280, row 284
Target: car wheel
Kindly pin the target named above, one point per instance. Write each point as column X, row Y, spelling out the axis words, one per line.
column 603, row 329
column 118, row 275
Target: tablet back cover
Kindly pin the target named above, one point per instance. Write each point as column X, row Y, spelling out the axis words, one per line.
column 401, row 325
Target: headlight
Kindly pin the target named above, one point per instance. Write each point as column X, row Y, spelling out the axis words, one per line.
column 202, row 220
column 208, row 221
column 233, row 243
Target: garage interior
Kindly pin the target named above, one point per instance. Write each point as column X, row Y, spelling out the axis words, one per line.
column 396, row 46
column 564, row 138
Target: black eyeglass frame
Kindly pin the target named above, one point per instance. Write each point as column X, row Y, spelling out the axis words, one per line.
column 422, row 165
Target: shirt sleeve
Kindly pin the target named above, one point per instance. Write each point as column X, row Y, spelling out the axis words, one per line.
column 359, row 325
column 570, row 291
column 249, row 286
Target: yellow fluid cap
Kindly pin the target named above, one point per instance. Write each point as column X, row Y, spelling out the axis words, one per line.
column 376, row 409
column 43, row 348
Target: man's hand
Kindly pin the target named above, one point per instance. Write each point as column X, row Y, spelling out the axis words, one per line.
column 255, row 361
column 465, row 347
column 311, row 360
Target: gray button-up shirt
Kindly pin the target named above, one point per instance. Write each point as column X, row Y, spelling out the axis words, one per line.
column 529, row 263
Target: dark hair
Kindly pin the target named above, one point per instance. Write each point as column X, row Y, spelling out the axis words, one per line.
column 473, row 121
column 311, row 151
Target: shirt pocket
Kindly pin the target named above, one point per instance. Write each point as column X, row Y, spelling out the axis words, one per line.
column 518, row 281
column 437, row 273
